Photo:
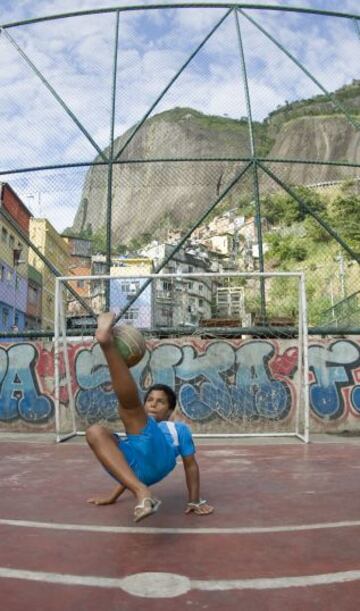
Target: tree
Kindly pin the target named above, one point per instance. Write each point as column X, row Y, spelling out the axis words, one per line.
column 345, row 214
column 314, row 231
column 285, row 248
column 120, row 249
column 282, row 209
column 99, row 240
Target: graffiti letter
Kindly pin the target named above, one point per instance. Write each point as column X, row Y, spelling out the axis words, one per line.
column 95, row 399
column 204, row 399
column 19, row 394
column 330, row 365
column 257, row 394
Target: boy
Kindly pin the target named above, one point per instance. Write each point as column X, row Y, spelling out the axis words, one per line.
column 148, row 453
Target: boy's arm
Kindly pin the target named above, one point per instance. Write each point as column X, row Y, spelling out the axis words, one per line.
column 118, row 490
column 192, row 475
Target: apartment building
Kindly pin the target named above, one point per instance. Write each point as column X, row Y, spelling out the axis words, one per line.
column 14, row 222
column 123, row 290
column 80, row 250
column 179, row 302
column 55, row 249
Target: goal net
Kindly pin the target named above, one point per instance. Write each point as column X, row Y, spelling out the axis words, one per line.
column 232, row 345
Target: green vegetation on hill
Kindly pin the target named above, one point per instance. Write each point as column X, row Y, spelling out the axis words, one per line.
column 224, row 125
column 298, row 242
column 348, row 96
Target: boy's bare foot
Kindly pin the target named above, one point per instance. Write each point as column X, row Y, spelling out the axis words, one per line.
column 104, row 328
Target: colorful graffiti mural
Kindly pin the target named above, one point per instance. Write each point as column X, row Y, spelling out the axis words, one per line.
column 212, row 379
column 227, row 379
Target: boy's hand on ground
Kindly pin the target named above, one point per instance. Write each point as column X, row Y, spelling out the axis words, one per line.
column 200, row 509
column 101, row 501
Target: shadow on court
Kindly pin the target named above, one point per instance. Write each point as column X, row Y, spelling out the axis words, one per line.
column 285, row 532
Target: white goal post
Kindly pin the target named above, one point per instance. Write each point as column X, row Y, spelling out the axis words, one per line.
column 233, row 345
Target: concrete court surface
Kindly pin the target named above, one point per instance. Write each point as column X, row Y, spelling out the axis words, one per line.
column 285, row 534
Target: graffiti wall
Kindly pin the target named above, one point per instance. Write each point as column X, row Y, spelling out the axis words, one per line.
column 222, row 385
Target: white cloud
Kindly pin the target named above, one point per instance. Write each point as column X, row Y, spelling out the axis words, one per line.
column 196, row 20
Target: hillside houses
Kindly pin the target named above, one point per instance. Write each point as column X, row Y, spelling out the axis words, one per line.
column 27, row 280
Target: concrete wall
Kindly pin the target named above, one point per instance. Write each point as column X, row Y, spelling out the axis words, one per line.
column 222, row 385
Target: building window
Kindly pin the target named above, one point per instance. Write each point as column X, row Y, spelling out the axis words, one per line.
column 4, row 317
column 33, row 295
column 130, row 286
column 2, row 273
column 11, row 241
column 131, row 314
column 4, row 234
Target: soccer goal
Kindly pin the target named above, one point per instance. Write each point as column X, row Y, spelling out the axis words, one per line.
column 232, row 345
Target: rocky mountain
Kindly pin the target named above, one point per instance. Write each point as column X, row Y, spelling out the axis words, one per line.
column 180, row 160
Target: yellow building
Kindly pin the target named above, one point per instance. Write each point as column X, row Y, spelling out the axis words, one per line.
column 130, row 266
column 56, row 251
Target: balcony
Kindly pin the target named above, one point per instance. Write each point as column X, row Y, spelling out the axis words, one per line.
column 164, row 296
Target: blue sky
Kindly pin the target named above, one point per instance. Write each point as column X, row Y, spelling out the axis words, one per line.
column 75, row 56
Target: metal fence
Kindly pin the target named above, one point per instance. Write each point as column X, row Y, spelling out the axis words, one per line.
column 150, row 138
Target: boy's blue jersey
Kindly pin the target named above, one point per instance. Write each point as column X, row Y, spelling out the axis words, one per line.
column 185, row 445
column 152, row 453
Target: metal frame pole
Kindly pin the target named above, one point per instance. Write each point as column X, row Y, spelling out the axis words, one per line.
column 256, row 190
column 305, row 360
column 111, row 160
column 56, row 362
column 66, row 358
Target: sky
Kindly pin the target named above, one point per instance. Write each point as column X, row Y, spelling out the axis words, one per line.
column 74, row 57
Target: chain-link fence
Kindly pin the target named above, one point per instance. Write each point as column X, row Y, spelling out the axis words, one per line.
column 218, row 138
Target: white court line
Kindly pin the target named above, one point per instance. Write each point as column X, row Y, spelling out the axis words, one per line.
column 146, row 530
column 160, row 585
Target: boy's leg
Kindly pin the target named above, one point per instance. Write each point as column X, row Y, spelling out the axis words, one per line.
column 132, row 414
column 104, row 446
column 131, row 410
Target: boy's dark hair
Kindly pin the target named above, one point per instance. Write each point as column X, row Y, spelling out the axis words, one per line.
column 171, row 396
